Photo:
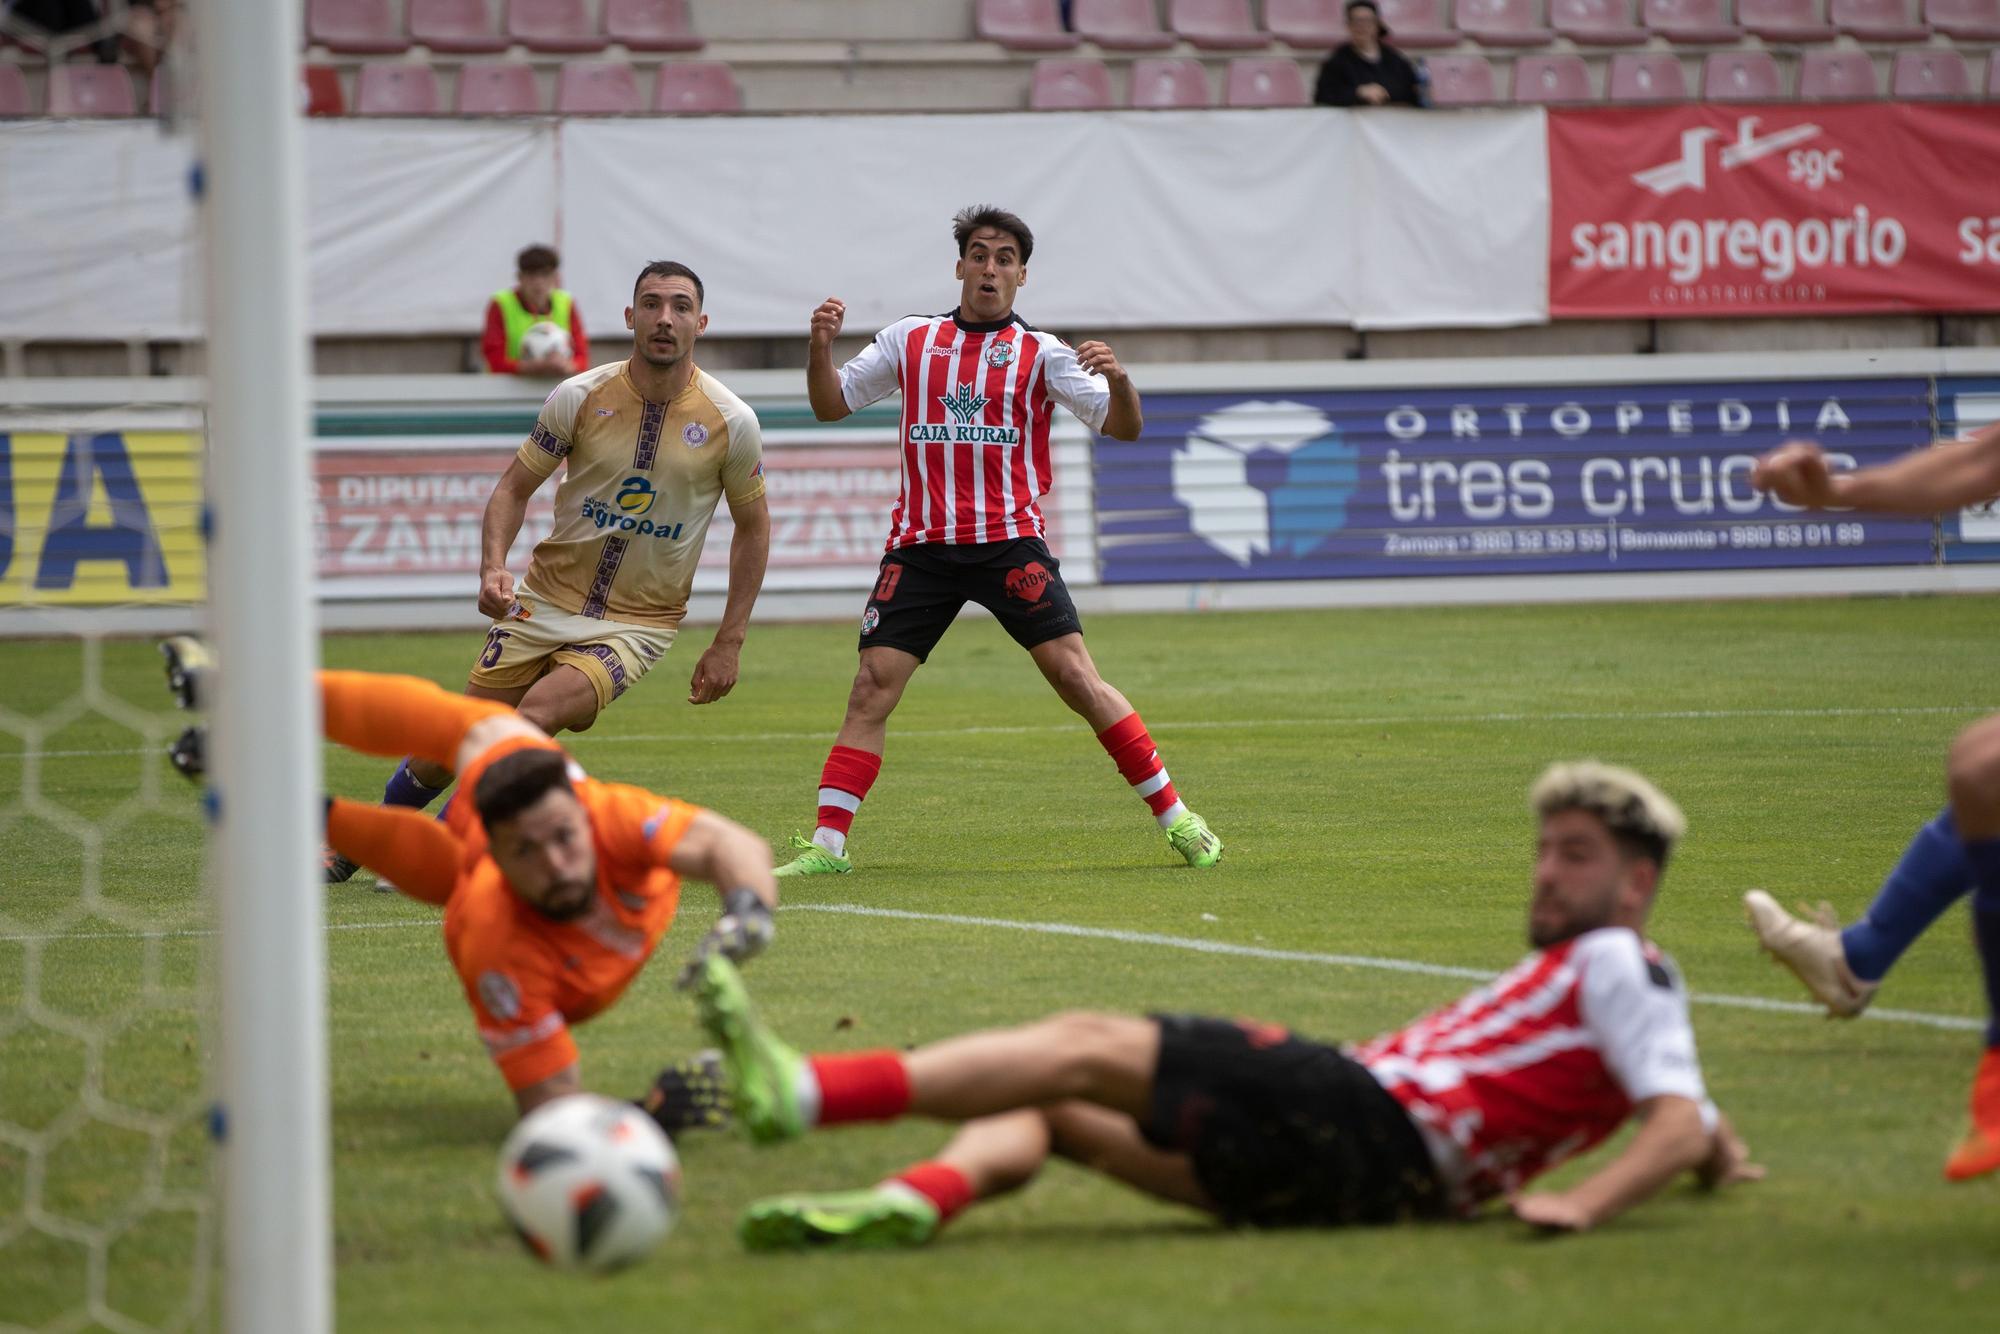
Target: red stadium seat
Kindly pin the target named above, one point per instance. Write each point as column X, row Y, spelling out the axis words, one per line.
column 1560, row 78
column 1786, row 21
column 1502, row 23
column 1158, row 84
column 1310, row 25
column 1835, row 76
column 1216, row 25
column 1458, row 81
column 1646, row 76
column 497, row 88
column 1596, row 22
column 1417, row 23
column 696, row 87
column 320, row 85
column 584, row 87
column 554, row 25
column 91, row 90
column 355, row 27
column 1070, row 84
column 1121, row 25
column 13, row 90
column 1265, row 81
column 1022, row 25
column 1878, row 21
column 651, row 25
column 1692, row 22
column 464, row 27
column 392, row 88
column 1741, row 76
column 1966, row 20
column 1930, row 73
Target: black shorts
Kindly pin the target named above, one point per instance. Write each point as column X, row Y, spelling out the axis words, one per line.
column 1285, row 1132
column 921, row 589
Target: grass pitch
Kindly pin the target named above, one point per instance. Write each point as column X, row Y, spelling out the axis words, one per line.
column 1368, row 771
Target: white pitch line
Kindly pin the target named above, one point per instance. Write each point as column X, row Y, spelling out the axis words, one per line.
column 1237, row 724
column 1192, row 944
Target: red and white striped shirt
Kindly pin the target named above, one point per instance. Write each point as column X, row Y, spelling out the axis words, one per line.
column 976, row 404
column 1543, row 1062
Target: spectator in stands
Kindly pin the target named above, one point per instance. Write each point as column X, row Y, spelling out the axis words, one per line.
column 58, row 17
column 534, row 299
column 149, row 29
column 1366, row 71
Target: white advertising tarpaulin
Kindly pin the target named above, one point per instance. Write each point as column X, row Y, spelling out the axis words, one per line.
column 1143, row 219
column 1457, row 219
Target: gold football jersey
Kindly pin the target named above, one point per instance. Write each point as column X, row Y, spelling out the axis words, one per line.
column 643, row 480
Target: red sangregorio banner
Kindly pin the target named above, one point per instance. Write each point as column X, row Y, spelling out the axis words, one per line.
column 1704, row 210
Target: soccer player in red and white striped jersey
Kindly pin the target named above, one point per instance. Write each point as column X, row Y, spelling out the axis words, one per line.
column 979, row 385
column 1255, row 1126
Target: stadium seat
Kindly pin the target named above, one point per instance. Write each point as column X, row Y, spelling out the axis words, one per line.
column 1878, row 21
column 1417, row 24
column 1691, row 22
column 1930, row 73
column 1965, row 20
column 696, row 87
column 463, row 27
column 1502, row 23
column 497, row 88
column 1022, row 25
column 318, row 84
column 651, row 25
column 393, row 88
column 13, row 90
column 1164, row 83
column 1785, row 21
column 91, row 90
column 1310, row 25
column 1458, row 81
column 1121, row 25
column 608, row 87
column 1559, row 78
column 1216, row 25
column 1265, row 81
column 1596, row 22
column 1834, row 76
column 561, row 26
column 1646, row 76
column 1741, row 76
column 1072, row 84
column 355, row 27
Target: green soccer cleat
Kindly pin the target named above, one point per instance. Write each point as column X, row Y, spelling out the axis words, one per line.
column 813, row 860
column 1193, row 840
column 763, row 1071
column 853, row 1220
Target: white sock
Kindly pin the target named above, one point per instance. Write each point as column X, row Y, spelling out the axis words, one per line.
column 832, row 840
column 1171, row 814
column 807, row 1092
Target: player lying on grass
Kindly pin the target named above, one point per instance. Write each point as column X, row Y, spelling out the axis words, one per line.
column 555, row 886
column 1956, row 853
column 1256, row 1126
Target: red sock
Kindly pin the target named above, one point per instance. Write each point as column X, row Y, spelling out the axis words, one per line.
column 940, row 1183
column 1131, row 749
column 861, row 1086
column 845, row 780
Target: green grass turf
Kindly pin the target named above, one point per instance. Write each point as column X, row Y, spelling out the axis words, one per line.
column 1368, row 771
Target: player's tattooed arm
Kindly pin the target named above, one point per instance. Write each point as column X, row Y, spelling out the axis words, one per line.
column 1923, row 482
column 1125, row 419
column 822, row 376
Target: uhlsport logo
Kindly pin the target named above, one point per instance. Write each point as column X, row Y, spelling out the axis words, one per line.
column 635, row 496
column 1265, row 478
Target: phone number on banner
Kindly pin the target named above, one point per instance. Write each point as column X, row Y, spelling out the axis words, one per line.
column 1613, row 538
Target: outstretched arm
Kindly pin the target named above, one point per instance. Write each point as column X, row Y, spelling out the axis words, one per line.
column 408, row 848
column 1922, row 482
column 738, row 863
column 1671, row 1140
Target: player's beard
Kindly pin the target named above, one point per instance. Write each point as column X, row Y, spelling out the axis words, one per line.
column 663, row 361
column 567, row 901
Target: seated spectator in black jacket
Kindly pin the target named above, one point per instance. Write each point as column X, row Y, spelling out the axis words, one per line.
column 1367, row 71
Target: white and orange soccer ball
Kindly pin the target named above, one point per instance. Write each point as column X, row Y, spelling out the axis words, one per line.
column 589, row 1182
column 543, row 339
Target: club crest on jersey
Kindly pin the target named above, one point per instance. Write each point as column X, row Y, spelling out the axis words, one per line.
column 695, row 434
column 499, row 995
column 1000, row 354
column 869, row 620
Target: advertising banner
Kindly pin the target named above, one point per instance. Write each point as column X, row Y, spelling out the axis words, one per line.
column 1964, row 406
column 96, row 517
column 1772, row 210
column 1493, row 481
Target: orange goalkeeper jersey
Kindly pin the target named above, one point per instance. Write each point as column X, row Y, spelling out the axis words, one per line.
column 529, row 977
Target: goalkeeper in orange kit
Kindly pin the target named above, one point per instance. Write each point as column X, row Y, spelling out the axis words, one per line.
column 555, row 886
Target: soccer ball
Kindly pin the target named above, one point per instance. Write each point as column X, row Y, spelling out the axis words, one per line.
column 545, row 339
column 589, row 1182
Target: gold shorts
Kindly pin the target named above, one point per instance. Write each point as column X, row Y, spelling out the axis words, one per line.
column 613, row 654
